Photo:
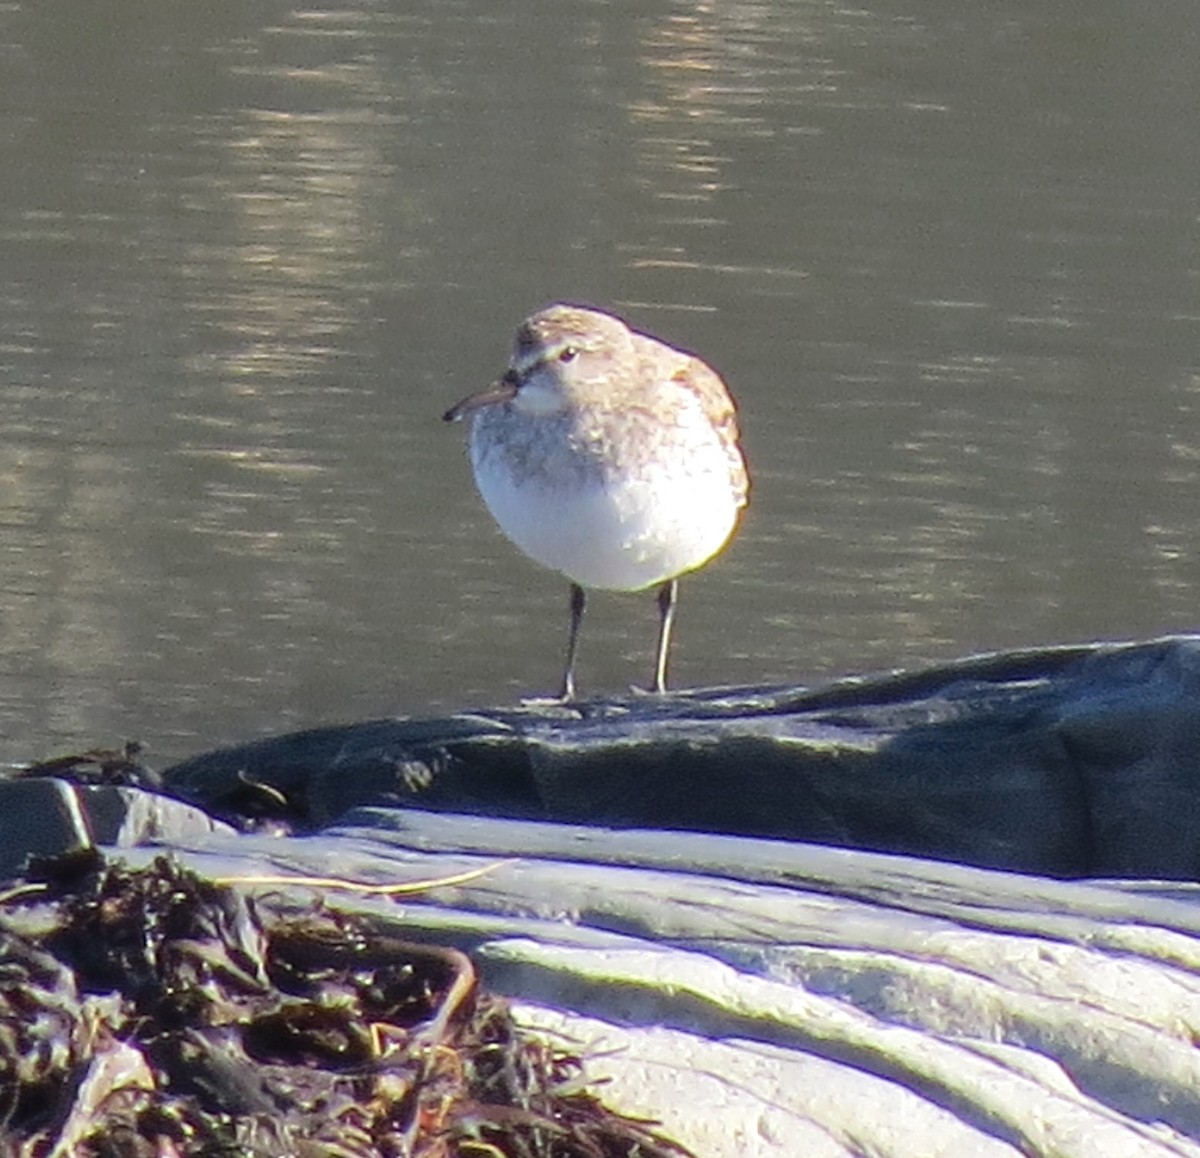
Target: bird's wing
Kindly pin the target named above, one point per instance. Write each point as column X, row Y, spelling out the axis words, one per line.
column 702, row 381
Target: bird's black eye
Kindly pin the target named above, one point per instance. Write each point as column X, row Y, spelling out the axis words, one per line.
column 568, row 354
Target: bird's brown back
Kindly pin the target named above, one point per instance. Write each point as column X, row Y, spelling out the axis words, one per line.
column 701, row 380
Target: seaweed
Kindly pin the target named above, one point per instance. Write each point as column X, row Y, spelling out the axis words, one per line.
column 163, row 1015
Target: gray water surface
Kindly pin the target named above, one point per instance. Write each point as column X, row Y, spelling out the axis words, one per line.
column 947, row 258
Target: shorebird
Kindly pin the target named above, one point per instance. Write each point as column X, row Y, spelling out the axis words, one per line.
column 610, row 457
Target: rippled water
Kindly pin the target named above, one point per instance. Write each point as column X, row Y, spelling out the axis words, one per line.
column 248, row 254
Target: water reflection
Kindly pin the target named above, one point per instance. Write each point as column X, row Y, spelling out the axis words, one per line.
column 948, row 267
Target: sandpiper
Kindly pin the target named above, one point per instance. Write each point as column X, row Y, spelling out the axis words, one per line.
column 610, row 457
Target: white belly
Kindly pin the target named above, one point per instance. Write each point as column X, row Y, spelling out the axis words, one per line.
column 622, row 536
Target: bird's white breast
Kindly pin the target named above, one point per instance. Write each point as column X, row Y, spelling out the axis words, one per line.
column 638, row 521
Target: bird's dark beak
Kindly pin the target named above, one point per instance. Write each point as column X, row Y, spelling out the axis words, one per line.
column 504, row 390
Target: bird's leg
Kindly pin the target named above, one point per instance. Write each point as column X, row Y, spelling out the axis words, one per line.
column 578, row 602
column 668, row 593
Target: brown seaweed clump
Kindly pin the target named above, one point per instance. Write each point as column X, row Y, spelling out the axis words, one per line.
column 159, row 1015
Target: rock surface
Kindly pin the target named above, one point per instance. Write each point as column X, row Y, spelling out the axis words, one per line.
column 46, row 816
column 766, row 998
column 1067, row 762
column 771, row 997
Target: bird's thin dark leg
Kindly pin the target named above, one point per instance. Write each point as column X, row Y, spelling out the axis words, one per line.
column 668, row 593
column 578, row 602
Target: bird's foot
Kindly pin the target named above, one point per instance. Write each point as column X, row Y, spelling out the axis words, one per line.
column 559, row 701
column 636, row 690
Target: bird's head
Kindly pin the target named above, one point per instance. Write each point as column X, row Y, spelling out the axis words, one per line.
column 561, row 356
